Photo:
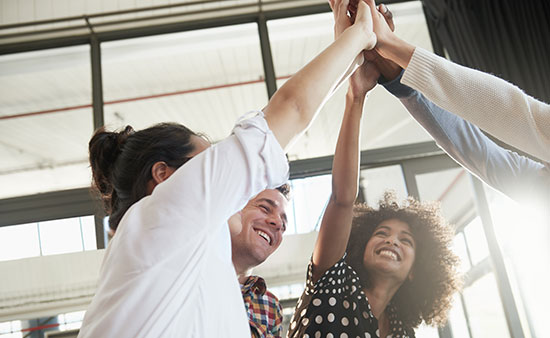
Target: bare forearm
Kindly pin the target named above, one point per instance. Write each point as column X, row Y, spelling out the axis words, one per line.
column 345, row 167
column 396, row 50
column 336, row 224
column 295, row 104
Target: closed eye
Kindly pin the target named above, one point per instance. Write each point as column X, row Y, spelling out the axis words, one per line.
column 380, row 233
column 408, row 241
column 264, row 207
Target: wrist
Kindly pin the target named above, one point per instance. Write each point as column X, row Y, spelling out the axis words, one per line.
column 355, row 98
column 397, row 50
column 367, row 38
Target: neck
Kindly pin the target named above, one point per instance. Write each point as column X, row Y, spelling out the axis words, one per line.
column 380, row 293
column 242, row 270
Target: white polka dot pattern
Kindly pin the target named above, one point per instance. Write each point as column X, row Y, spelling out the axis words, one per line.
column 335, row 306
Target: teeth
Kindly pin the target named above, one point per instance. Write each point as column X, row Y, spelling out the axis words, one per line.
column 389, row 254
column 264, row 236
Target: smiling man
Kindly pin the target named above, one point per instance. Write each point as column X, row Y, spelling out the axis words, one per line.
column 256, row 232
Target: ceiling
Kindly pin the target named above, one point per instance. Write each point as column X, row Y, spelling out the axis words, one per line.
column 203, row 78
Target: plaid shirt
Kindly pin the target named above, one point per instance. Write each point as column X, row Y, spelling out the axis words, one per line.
column 263, row 308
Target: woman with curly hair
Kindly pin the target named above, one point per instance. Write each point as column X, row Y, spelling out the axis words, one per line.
column 398, row 270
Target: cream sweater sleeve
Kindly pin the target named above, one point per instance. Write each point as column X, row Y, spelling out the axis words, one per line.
column 496, row 106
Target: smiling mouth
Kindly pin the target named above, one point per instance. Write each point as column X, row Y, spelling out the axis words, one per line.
column 264, row 236
column 388, row 254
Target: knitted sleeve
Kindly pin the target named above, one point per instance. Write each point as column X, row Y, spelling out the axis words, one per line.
column 496, row 106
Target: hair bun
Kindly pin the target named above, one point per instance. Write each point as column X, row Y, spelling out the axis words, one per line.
column 104, row 148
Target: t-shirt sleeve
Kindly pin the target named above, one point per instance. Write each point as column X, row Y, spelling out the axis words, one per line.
column 213, row 185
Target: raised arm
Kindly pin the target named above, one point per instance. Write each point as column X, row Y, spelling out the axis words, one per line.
column 496, row 106
column 336, row 223
column 518, row 177
column 294, row 105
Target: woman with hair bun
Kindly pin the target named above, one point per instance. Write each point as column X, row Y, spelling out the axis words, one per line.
column 167, row 272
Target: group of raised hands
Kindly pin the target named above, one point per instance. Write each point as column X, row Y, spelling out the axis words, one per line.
column 385, row 54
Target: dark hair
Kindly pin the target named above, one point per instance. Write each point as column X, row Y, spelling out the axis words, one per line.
column 285, row 190
column 428, row 296
column 121, row 162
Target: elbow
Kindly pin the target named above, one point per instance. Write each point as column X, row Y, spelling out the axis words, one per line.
column 286, row 101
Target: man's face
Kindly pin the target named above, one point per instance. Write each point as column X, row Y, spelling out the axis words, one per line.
column 263, row 222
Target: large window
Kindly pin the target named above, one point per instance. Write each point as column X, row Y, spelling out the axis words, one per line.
column 204, row 79
column 296, row 41
column 45, row 121
column 47, row 238
column 483, row 307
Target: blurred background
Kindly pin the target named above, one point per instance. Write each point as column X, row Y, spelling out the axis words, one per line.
column 70, row 66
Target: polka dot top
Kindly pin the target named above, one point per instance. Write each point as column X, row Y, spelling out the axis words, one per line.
column 337, row 307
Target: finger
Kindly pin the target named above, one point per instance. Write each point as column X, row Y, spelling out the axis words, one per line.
column 335, row 6
column 363, row 10
column 331, row 4
column 343, row 8
column 388, row 15
column 371, row 4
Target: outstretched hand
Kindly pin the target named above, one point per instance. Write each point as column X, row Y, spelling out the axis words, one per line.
column 366, row 76
column 361, row 18
column 341, row 19
column 382, row 25
column 363, row 79
column 386, row 67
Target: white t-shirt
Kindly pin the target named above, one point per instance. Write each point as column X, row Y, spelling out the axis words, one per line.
column 168, row 271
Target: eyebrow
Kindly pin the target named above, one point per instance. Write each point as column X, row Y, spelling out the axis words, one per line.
column 274, row 205
column 389, row 229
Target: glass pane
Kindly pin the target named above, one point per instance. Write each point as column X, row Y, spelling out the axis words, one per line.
column 485, row 313
column 450, row 187
column 60, row 236
column 46, row 120
column 524, row 236
column 477, row 242
column 378, row 180
column 88, row 232
column 5, row 327
column 426, row 331
column 309, row 199
column 459, row 325
column 296, row 41
column 19, row 241
column 459, row 248
column 204, row 79
column 72, row 320
column 11, row 329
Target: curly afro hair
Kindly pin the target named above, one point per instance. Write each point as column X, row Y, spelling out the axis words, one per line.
column 428, row 296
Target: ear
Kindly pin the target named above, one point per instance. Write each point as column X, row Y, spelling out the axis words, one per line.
column 410, row 276
column 160, row 172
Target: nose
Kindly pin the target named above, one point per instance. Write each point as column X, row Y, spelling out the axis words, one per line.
column 276, row 222
column 392, row 241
